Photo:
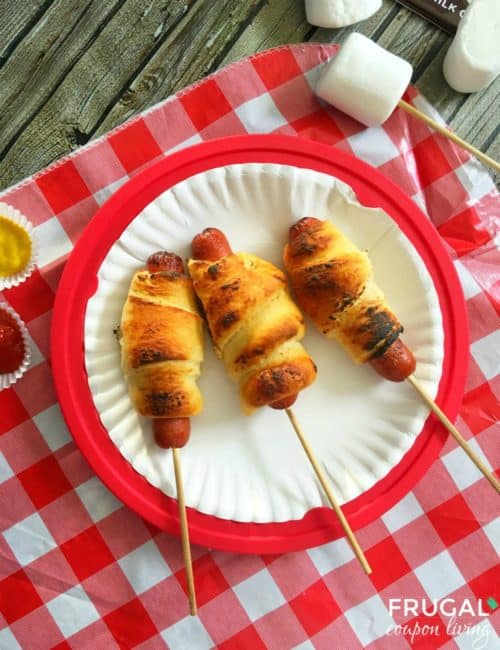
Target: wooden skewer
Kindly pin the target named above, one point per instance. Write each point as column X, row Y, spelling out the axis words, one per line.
column 448, row 134
column 358, row 551
column 455, row 433
column 186, row 549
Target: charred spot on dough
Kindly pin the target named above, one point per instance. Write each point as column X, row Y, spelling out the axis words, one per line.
column 280, row 381
column 144, row 356
column 221, row 311
column 148, row 355
column 303, row 248
column 229, row 319
column 117, row 333
column 347, row 300
column 380, row 324
column 307, row 245
column 168, row 275
column 275, row 382
column 201, row 307
column 213, row 271
column 387, row 343
column 248, row 355
column 134, row 300
column 231, row 286
column 310, row 241
column 367, row 325
column 163, row 403
column 319, row 278
column 329, row 279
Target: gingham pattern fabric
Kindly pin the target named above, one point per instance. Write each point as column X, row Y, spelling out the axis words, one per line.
column 80, row 570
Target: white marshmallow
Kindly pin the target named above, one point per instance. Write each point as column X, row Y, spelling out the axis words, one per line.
column 339, row 13
column 473, row 59
column 364, row 80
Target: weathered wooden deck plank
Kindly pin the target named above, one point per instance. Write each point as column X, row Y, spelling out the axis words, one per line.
column 16, row 22
column 96, row 79
column 44, row 59
column 190, row 56
column 278, row 22
column 371, row 27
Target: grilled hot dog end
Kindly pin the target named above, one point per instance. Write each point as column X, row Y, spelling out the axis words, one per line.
column 171, row 432
column 396, row 363
column 304, row 224
column 211, row 245
column 284, row 403
column 163, row 261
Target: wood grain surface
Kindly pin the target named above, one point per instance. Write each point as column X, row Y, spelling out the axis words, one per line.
column 71, row 70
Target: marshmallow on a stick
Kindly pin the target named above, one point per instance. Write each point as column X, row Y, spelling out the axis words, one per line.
column 367, row 82
column 339, row 13
column 473, row 59
column 364, row 80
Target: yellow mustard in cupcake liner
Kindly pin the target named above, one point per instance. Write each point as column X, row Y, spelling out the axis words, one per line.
column 15, row 248
column 18, row 249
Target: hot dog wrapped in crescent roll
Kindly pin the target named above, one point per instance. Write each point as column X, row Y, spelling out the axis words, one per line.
column 334, row 284
column 162, row 343
column 255, row 326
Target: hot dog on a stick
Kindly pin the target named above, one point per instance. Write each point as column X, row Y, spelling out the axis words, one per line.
column 162, row 347
column 256, row 330
column 334, row 284
column 255, row 326
column 162, row 350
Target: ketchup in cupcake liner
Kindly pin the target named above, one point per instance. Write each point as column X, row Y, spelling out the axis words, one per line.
column 15, row 353
column 18, row 247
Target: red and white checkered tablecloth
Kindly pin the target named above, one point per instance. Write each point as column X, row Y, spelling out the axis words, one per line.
column 80, row 570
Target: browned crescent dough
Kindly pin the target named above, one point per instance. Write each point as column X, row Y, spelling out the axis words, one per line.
column 255, row 327
column 334, row 285
column 162, row 345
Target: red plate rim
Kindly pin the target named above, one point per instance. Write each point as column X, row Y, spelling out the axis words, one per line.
column 79, row 282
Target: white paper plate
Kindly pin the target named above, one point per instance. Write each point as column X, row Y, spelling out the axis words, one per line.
column 253, row 469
